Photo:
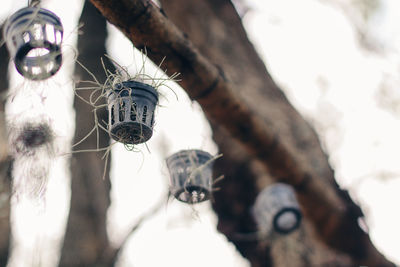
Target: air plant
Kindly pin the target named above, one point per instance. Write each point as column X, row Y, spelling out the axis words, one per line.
column 130, row 100
column 32, row 147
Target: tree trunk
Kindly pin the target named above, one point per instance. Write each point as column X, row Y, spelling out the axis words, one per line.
column 86, row 243
column 223, row 40
column 4, row 59
column 5, row 164
column 5, row 194
column 243, row 175
column 221, row 70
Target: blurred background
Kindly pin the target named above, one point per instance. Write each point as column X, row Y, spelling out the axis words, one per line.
column 338, row 63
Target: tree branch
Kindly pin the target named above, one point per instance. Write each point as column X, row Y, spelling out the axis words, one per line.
column 276, row 135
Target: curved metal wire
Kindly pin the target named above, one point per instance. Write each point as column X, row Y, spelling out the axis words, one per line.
column 33, row 3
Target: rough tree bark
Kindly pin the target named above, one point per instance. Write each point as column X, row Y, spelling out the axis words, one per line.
column 221, row 38
column 5, row 227
column 86, row 242
column 299, row 249
column 3, row 91
column 5, row 164
column 224, row 78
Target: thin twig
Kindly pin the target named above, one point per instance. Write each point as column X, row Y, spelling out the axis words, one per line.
column 147, row 215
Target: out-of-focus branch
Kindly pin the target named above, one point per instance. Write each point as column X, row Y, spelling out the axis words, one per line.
column 86, row 243
column 5, row 226
column 270, row 129
column 4, row 59
column 5, row 163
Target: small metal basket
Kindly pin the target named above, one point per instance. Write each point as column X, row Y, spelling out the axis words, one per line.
column 33, row 36
column 131, row 107
column 190, row 175
column 276, row 208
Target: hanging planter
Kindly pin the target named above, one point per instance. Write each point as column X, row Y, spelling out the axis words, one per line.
column 33, row 36
column 190, row 175
column 131, row 107
column 276, row 208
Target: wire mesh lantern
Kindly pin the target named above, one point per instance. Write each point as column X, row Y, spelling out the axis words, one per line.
column 276, row 209
column 131, row 107
column 190, row 175
column 33, row 36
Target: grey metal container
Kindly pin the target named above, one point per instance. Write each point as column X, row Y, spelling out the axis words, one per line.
column 190, row 175
column 131, row 107
column 33, row 36
column 276, row 209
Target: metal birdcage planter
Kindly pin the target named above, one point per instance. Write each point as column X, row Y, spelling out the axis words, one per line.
column 131, row 107
column 33, row 36
column 190, row 175
column 276, row 209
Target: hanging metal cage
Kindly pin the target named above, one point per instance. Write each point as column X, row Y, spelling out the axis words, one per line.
column 276, row 208
column 190, row 175
column 131, row 107
column 33, row 36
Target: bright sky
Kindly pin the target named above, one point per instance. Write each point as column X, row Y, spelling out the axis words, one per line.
column 311, row 50
column 314, row 55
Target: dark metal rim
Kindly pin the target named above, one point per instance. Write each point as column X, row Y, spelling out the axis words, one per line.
column 296, row 213
column 54, row 55
column 135, row 86
column 190, row 189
